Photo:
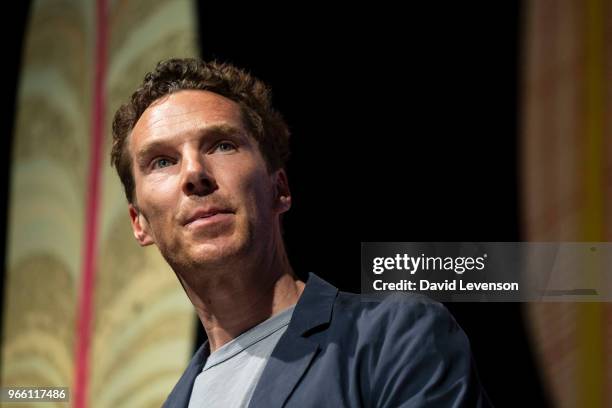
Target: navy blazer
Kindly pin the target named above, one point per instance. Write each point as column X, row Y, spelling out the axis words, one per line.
column 343, row 350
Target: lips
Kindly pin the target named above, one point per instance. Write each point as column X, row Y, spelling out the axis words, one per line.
column 205, row 213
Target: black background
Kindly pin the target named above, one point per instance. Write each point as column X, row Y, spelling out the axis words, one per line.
column 404, row 128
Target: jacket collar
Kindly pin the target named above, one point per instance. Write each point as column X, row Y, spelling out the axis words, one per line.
column 180, row 395
column 314, row 307
column 296, row 349
column 291, row 356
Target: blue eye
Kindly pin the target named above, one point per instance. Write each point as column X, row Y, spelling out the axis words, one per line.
column 161, row 163
column 225, row 147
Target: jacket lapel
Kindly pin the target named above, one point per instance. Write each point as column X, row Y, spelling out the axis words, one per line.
column 295, row 350
column 180, row 395
column 283, row 371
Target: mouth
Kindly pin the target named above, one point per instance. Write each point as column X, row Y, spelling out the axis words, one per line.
column 207, row 216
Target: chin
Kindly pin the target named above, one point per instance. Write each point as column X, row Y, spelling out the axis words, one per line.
column 217, row 252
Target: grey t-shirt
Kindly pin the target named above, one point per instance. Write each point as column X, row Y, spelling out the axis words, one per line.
column 231, row 373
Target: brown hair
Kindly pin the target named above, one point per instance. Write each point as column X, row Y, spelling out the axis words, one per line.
column 266, row 125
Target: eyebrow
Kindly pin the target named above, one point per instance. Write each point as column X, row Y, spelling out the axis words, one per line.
column 220, row 130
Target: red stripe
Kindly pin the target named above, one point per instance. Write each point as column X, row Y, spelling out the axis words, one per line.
column 85, row 311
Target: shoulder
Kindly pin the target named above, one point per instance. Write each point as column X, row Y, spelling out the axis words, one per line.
column 395, row 314
column 399, row 329
column 413, row 349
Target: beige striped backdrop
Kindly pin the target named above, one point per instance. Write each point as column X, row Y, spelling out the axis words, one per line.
column 142, row 323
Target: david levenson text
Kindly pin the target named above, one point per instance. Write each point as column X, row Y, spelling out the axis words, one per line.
column 407, row 285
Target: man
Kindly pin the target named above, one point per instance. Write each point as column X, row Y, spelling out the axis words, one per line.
column 201, row 154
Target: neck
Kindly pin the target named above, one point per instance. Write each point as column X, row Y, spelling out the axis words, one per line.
column 231, row 302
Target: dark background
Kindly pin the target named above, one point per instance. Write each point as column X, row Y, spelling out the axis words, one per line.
column 405, row 128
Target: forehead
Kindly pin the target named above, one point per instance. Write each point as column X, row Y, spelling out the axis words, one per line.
column 184, row 111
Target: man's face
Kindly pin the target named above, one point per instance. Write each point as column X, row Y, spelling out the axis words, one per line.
column 203, row 193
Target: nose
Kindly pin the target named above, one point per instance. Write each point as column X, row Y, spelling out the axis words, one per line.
column 196, row 178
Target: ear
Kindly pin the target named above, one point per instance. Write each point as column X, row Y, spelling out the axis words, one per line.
column 282, row 198
column 140, row 226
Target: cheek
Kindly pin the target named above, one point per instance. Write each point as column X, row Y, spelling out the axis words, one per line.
column 263, row 200
column 254, row 189
column 156, row 197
